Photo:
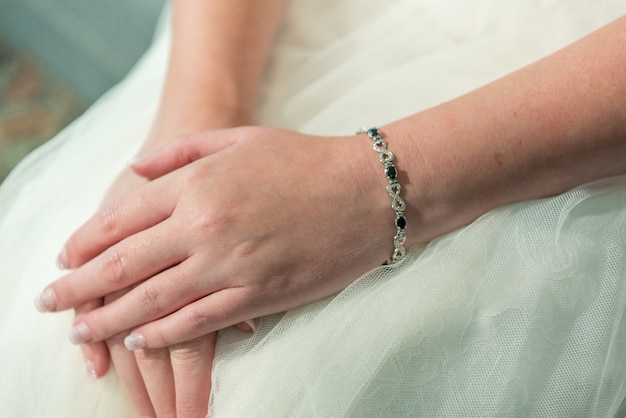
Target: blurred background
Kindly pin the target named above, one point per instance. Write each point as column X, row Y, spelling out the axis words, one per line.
column 59, row 56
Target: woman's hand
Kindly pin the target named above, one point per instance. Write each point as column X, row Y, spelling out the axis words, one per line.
column 269, row 221
column 171, row 381
column 161, row 381
column 208, row 85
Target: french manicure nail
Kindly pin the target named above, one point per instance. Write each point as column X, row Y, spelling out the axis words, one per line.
column 139, row 158
column 136, row 159
column 92, row 375
column 46, row 301
column 79, row 334
column 135, row 342
column 62, row 259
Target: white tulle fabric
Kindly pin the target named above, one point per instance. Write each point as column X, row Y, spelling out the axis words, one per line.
column 522, row 313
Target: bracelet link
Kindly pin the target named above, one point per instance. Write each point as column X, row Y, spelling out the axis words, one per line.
column 393, row 188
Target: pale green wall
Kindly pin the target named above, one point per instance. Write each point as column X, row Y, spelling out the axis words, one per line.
column 89, row 43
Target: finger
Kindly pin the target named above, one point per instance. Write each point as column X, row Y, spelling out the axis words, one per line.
column 191, row 364
column 137, row 211
column 134, row 259
column 95, row 354
column 130, row 376
column 211, row 313
column 182, row 151
column 246, row 326
column 156, row 370
column 127, row 370
column 163, row 294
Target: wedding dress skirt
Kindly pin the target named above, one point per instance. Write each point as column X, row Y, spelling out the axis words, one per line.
column 521, row 313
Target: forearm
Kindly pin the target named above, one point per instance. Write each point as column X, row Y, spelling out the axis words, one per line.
column 540, row 131
column 218, row 51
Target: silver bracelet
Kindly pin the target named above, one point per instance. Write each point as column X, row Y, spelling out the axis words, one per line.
column 393, row 188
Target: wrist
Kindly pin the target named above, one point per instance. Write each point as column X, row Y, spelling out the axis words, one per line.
column 452, row 171
column 173, row 120
column 394, row 189
column 371, row 181
column 435, row 201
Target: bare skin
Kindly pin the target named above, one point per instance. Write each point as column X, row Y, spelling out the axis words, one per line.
column 537, row 132
column 216, row 60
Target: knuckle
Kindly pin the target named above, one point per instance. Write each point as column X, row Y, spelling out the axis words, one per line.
column 150, row 300
column 199, row 322
column 193, row 174
column 187, row 353
column 245, row 249
column 181, row 155
column 216, row 217
column 107, row 220
column 151, row 357
column 114, row 265
column 182, row 149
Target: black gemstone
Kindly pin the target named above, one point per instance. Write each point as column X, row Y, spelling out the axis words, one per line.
column 390, row 172
column 372, row 132
column 401, row 222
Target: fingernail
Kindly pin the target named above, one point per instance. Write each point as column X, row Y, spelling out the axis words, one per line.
column 92, row 375
column 46, row 301
column 62, row 259
column 79, row 334
column 136, row 159
column 139, row 158
column 135, row 342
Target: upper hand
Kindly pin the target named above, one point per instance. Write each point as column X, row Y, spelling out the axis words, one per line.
column 268, row 221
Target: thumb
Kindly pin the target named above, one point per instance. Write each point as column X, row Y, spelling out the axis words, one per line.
column 182, row 151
